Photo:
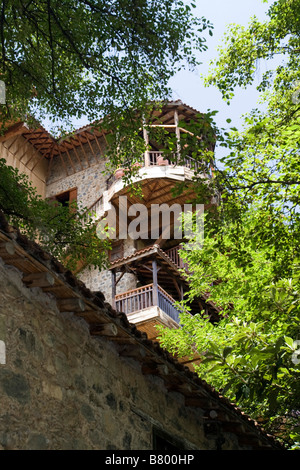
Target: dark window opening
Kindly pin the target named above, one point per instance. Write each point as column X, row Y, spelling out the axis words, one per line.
column 66, row 198
column 63, row 198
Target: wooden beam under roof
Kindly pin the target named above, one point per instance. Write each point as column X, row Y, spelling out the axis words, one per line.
column 15, row 129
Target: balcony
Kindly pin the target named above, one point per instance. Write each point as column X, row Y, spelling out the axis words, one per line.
column 145, row 297
column 147, row 307
column 157, row 158
column 173, row 254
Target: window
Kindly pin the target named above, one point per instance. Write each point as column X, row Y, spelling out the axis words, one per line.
column 66, row 198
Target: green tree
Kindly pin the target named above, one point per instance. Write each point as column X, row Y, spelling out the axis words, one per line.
column 93, row 58
column 264, row 157
column 249, row 261
column 252, row 354
column 105, row 60
column 65, row 232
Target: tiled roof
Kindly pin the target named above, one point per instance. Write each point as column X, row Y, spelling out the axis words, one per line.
column 48, row 146
column 103, row 320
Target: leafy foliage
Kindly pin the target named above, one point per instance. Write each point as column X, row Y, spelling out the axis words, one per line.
column 249, row 262
column 252, row 353
column 64, row 231
column 93, row 58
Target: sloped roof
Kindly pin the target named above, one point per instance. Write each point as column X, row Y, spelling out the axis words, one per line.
column 50, row 147
column 42, row 270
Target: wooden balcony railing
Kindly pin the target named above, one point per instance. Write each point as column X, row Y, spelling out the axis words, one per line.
column 153, row 155
column 150, row 159
column 145, row 297
column 166, row 303
column 91, row 214
column 188, row 162
column 173, row 254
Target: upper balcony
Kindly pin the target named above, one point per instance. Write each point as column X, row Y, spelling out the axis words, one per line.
column 156, row 158
column 179, row 145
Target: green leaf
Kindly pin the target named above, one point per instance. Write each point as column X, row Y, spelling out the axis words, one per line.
column 227, row 351
column 289, row 342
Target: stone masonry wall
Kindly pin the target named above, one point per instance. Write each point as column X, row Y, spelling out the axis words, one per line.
column 90, row 183
column 62, row 389
column 98, row 280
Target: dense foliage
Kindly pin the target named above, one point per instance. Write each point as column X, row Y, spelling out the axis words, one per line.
column 250, row 260
column 64, row 231
column 93, row 58
column 102, row 60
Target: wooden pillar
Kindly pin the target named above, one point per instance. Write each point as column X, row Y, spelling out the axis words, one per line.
column 146, row 139
column 176, row 120
column 181, row 291
column 113, row 288
column 155, row 284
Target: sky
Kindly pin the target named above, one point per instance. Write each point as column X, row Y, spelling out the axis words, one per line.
column 188, row 86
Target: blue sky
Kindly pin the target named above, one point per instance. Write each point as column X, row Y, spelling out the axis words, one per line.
column 188, row 86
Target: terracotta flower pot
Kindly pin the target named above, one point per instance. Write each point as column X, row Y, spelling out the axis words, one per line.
column 119, row 173
column 136, row 166
column 161, row 161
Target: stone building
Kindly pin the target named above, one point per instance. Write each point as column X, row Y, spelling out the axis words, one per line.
column 75, row 374
column 144, row 279
column 82, row 371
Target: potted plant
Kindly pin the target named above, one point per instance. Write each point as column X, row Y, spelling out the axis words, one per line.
column 119, row 173
column 136, row 165
column 161, row 161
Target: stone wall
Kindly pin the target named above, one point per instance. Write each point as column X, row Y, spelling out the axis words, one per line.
column 90, row 183
column 62, row 389
column 90, row 180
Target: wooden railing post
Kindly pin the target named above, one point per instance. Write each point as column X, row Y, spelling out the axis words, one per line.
column 177, row 130
column 146, row 139
column 113, row 288
column 155, row 285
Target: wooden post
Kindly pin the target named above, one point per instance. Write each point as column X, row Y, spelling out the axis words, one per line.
column 113, row 288
column 155, row 285
column 39, row 279
column 146, row 139
column 71, row 305
column 181, row 291
column 177, row 130
column 7, row 248
column 106, row 329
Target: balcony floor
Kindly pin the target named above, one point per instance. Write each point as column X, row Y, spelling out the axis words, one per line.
column 148, row 319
